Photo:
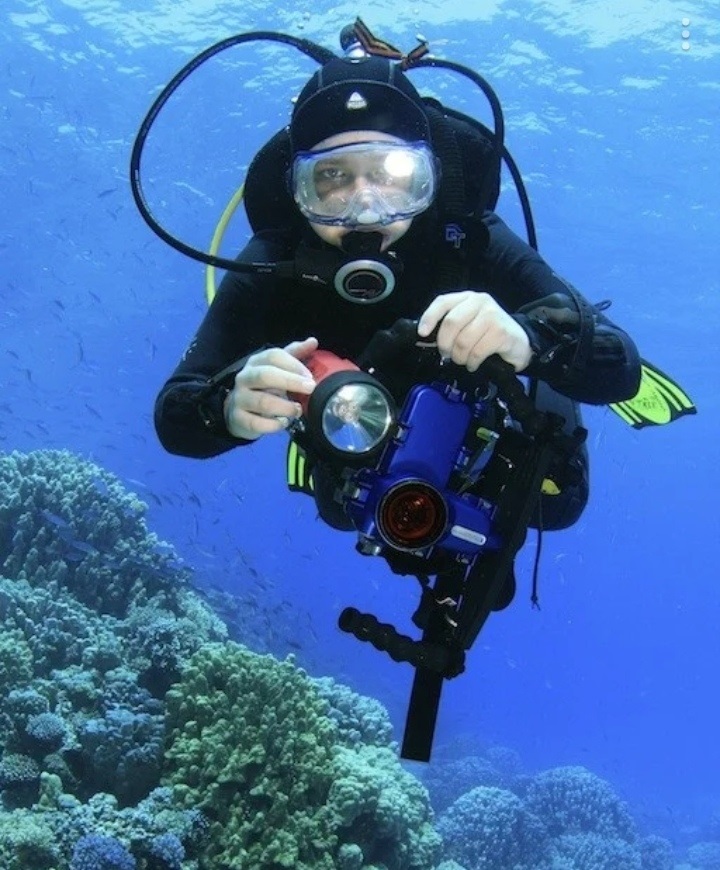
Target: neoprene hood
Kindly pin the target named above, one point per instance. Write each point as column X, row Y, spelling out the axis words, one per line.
column 369, row 93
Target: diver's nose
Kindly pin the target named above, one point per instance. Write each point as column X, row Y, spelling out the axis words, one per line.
column 365, row 200
column 363, row 187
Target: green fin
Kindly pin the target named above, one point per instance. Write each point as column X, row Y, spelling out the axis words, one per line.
column 659, row 400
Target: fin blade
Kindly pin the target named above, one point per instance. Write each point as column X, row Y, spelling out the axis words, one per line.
column 671, row 390
column 626, row 413
column 659, row 400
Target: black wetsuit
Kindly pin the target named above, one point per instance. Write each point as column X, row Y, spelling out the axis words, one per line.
column 575, row 358
column 252, row 311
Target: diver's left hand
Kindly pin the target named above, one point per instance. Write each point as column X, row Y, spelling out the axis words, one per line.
column 473, row 327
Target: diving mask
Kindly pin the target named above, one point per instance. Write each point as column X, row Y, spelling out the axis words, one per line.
column 364, row 183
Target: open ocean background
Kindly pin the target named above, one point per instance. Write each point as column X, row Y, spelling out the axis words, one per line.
column 614, row 123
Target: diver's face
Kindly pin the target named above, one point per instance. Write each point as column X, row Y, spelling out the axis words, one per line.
column 334, row 235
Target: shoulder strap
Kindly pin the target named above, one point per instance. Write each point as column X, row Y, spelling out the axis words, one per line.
column 469, row 185
column 453, row 191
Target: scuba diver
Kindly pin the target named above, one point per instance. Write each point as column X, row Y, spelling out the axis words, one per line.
column 364, row 178
column 375, row 241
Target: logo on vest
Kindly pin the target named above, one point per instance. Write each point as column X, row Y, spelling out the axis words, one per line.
column 455, row 235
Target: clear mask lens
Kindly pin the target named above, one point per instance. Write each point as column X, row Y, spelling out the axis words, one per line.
column 364, row 184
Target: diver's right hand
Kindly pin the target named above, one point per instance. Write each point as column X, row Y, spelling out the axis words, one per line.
column 258, row 402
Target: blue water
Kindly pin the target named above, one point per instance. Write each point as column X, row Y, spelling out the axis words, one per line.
column 614, row 124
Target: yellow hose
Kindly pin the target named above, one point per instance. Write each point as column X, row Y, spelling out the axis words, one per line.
column 217, row 238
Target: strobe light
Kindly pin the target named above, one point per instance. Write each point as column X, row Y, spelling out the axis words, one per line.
column 349, row 414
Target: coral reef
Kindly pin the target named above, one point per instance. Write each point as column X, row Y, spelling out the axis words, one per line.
column 71, row 525
column 96, row 852
column 446, row 782
column 251, row 744
column 656, row 853
column 367, row 722
column 90, row 603
column 704, row 855
column 135, row 736
column 581, row 851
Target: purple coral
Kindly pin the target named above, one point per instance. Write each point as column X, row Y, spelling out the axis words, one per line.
column 165, row 852
column 44, row 733
column 95, row 852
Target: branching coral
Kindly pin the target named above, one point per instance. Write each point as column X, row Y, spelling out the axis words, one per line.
column 72, row 525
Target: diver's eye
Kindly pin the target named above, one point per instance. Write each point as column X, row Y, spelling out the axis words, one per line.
column 331, row 177
column 381, row 178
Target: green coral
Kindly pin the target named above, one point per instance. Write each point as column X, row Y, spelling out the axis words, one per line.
column 57, row 630
column 250, row 743
column 19, row 780
column 16, row 659
column 382, row 808
column 26, row 841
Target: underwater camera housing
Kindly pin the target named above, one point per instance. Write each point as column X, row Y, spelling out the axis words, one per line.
column 410, row 478
column 442, row 484
column 407, row 501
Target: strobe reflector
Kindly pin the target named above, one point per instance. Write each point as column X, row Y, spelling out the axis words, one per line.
column 356, row 417
column 350, row 415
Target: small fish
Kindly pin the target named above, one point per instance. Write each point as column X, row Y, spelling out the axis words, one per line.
column 162, row 548
column 81, row 546
column 54, row 519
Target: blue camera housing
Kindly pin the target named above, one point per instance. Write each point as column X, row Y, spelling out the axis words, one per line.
column 427, row 448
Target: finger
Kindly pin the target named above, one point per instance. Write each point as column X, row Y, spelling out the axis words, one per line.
column 266, row 404
column 455, row 337
column 467, row 339
column 284, row 357
column 494, row 340
column 479, row 353
column 435, row 312
column 245, row 424
column 302, row 349
column 273, row 377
